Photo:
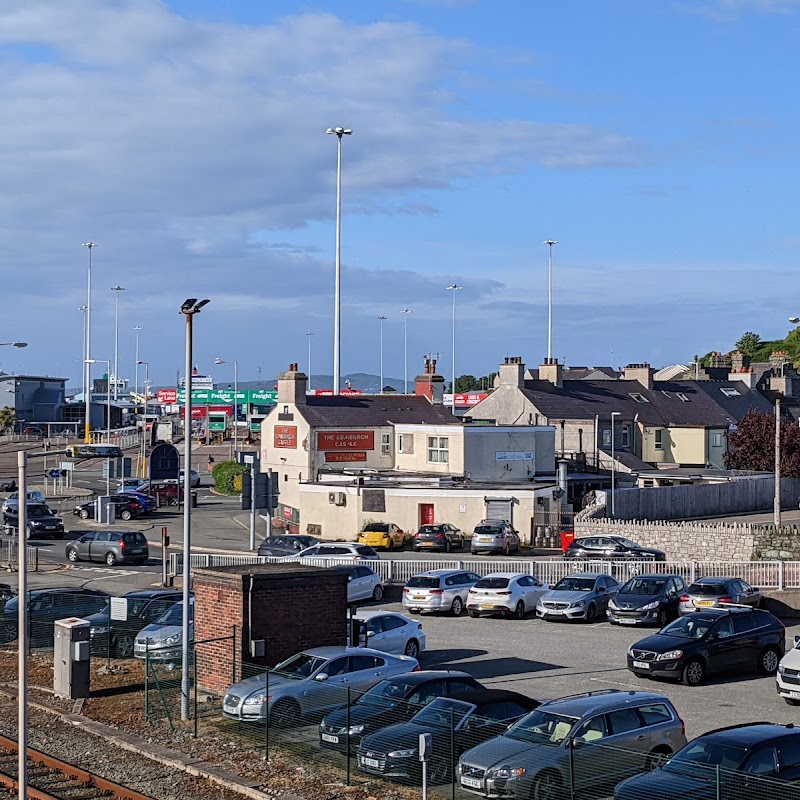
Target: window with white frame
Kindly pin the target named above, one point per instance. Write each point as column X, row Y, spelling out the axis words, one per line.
column 659, row 439
column 718, row 440
column 438, row 449
column 406, row 443
column 729, row 391
column 386, row 444
column 626, row 436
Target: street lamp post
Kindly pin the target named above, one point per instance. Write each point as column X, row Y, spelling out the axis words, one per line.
column 339, row 132
column 405, row 312
column 143, row 460
column 136, row 330
column 454, row 288
column 107, row 362
column 235, row 401
column 189, row 308
column 87, row 356
column 309, row 334
column 83, row 351
column 550, row 243
column 116, row 290
column 614, row 414
column 381, row 319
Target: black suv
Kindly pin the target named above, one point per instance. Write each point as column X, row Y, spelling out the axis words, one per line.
column 716, row 640
column 125, row 507
column 758, row 760
column 42, row 522
column 114, row 629
column 113, row 547
column 601, row 548
column 288, row 545
column 393, row 700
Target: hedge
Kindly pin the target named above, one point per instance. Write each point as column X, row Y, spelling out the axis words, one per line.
column 227, row 477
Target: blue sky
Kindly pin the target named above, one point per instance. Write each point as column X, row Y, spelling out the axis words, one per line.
column 655, row 141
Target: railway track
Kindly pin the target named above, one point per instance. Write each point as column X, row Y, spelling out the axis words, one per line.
column 51, row 779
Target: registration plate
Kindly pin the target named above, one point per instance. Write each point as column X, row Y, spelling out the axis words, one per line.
column 326, row 737
column 624, row 621
column 641, row 665
column 371, row 762
column 472, row 783
column 704, row 602
column 554, row 610
column 418, row 597
column 486, row 607
column 794, row 694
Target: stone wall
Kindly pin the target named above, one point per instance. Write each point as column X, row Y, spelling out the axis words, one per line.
column 776, row 543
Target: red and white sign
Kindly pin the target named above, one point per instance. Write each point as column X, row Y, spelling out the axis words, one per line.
column 465, row 400
column 345, row 440
column 343, row 392
column 200, row 412
column 167, row 396
column 285, row 436
column 352, row 455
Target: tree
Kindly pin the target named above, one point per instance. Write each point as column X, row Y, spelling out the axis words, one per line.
column 8, row 418
column 752, row 445
column 748, row 343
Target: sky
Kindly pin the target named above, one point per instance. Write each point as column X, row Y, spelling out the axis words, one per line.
column 656, row 142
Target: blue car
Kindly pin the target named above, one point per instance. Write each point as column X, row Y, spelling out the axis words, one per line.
column 148, row 503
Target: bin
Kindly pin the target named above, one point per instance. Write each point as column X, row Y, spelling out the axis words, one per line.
column 194, row 499
column 567, row 537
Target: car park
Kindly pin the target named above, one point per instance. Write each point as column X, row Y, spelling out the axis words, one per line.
column 290, row 544
column 125, row 508
column 494, row 536
column 715, row 592
column 647, row 600
column 455, row 724
column 442, row 536
column 711, row 641
column 12, row 501
column 615, row 548
column 583, row 596
column 111, row 547
column 363, row 583
column 312, row 681
column 391, row 632
column 754, row 760
column 788, row 677
column 341, row 550
column 571, row 744
column 439, row 590
column 142, row 607
column 382, row 534
column 505, row 593
column 393, row 700
column 43, row 522
column 162, row 640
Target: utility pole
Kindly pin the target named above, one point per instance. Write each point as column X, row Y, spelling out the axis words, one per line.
column 777, row 507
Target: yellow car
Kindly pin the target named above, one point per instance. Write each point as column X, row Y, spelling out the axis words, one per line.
column 382, row 534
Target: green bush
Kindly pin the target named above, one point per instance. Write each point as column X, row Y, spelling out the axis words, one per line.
column 225, row 474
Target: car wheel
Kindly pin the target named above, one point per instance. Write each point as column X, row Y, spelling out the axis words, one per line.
column 693, row 673
column 284, row 713
column 506, row 550
column 412, row 648
column 447, row 546
column 791, row 701
column 458, row 607
column 414, row 610
column 663, row 618
column 591, row 613
column 84, row 513
column 438, row 770
column 547, row 786
column 416, row 549
column 474, row 614
column 110, row 559
column 390, row 546
column 656, row 758
column 768, row 661
column 8, row 632
column 377, row 593
column 140, row 561
column 8, row 530
column 126, row 514
column 519, row 611
column 123, row 646
column 72, row 555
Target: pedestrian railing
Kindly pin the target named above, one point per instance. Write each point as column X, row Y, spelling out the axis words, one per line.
column 9, row 555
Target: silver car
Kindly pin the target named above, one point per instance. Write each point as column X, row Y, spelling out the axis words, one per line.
column 494, row 536
column 715, row 592
column 567, row 746
column 439, row 590
column 312, row 681
column 162, row 640
column 583, row 596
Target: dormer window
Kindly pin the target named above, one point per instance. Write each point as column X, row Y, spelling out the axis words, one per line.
column 682, row 397
column 729, row 391
column 639, row 398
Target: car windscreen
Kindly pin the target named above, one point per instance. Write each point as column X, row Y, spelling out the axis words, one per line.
column 378, row 527
column 430, row 529
column 423, row 582
column 708, row 589
column 38, row 511
column 626, row 542
column 574, row 585
column 688, row 627
column 134, row 538
column 174, row 615
column 492, row 583
column 492, row 529
column 442, row 713
column 644, row 586
column 363, row 550
column 542, row 727
column 702, row 757
column 302, row 665
column 386, row 694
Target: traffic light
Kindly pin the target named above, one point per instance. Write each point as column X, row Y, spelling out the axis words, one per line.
column 247, row 491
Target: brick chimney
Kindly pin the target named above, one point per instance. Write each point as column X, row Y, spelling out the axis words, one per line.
column 430, row 384
column 639, row 372
column 739, row 361
column 512, row 372
column 292, row 386
column 552, row 371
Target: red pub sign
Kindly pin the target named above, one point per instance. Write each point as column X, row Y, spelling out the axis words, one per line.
column 346, row 440
column 285, row 436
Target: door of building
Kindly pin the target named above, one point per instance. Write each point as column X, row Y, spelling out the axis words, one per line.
column 498, row 508
column 426, row 514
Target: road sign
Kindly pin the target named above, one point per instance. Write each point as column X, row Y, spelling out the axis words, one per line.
column 56, row 473
column 67, row 466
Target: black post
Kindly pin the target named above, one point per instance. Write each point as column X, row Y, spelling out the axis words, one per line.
column 572, row 769
column 108, row 645
column 194, row 678
column 266, row 716
column 452, row 755
column 347, row 736
column 233, row 656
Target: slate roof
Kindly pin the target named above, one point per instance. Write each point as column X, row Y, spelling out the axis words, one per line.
column 367, row 411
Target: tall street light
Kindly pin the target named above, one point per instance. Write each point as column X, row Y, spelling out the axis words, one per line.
column 136, row 330
column 83, row 351
column 116, row 290
column 614, row 414
column 107, row 362
column 454, row 288
column 190, row 307
column 309, row 334
column 235, row 402
column 405, row 312
column 338, row 284
column 550, row 243
column 143, row 460
column 13, row 344
column 381, row 319
column 87, row 356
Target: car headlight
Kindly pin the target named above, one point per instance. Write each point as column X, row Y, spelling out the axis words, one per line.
column 353, row 730
column 506, row 772
column 612, row 604
column 579, row 604
column 174, row 639
column 256, row 699
column 650, row 606
column 412, row 751
column 673, row 654
column 781, row 669
column 100, row 629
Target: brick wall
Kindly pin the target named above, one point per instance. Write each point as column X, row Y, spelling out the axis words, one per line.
column 292, row 607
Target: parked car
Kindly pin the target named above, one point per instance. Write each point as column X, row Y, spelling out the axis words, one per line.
column 363, row 583
column 32, row 430
column 713, row 592
column 612, row 547
column 45, row 606
column 788, row 677
column 131, row 485
column 287, row 545
column 582, row 596
column 314, row 680
column 391, row 632
column 506, row 593
column 148, row 502
column 113, row 547
column 576, row 741
column 442, row 536
column 711, row 641
column 11, row 503
column 342, row 550
column 494, row 536
column 455, row 724
column 43, row 522
column 439, row 590
column 124, row 507
column 647, row 600
column 382, row 534
column 162, row 640
column 116, row 636
column 391, row 701
column 756, row 759
column 194, row 478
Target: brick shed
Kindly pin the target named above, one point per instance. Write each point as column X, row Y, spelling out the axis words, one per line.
column 291, row 606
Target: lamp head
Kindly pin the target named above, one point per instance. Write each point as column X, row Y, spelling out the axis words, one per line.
column 551, row 242
column 19, row 344
column 188, row 304
column 218, row 361
column 794, row 320
column 202, row 303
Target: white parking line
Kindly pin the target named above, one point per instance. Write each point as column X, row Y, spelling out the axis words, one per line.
column 109, row 570
column 636, row 686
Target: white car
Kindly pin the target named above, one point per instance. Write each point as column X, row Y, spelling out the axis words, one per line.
column 788, row 677
column 342, row 550
column 362, row 583
column 506, row 593
column 12, row 501
column 194, row 478
column 393, row 633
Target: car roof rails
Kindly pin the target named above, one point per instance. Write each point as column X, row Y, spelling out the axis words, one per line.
column 579, row 695
column 740, row 725
column 732, row 606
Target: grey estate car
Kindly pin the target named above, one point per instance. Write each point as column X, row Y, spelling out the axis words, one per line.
column 610, row 734
column 712, row 592
column 582, row 596
column 439, row 590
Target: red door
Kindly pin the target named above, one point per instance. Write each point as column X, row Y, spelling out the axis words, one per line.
column 426, row 515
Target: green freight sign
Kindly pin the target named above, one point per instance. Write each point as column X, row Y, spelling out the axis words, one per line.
column 217, row 396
